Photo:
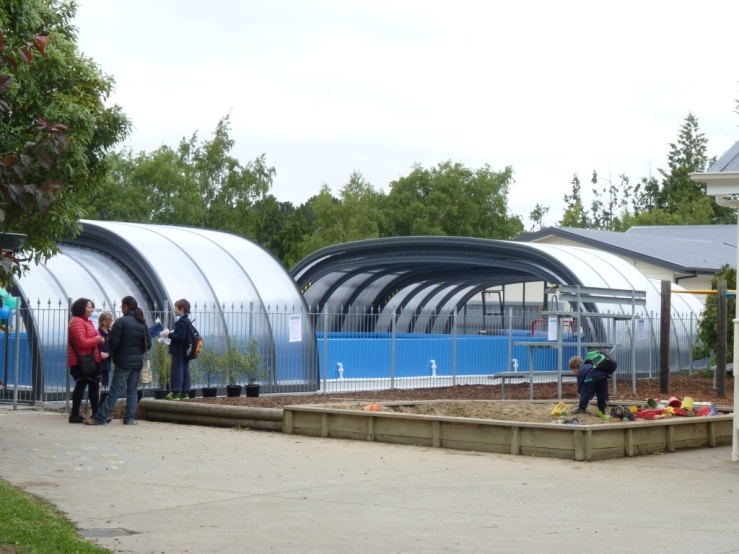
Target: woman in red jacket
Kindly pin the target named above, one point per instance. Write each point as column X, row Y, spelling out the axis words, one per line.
column 83, row 338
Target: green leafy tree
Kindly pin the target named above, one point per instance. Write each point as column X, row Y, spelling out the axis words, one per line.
column 574, row 214
column 675, row 200
column 55, row 129
column 197, row 184
column 355, row 215
column 708, row 326
column 644, row 197
column 609, row 202
column 292, row 236
column 679, row 194
column 149, row 187
column 269, row 224
column 537, row 217
column 451, row 199
column 687, row 155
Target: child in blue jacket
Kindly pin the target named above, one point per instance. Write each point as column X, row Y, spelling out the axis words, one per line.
column 178, row 348
column 590, row 382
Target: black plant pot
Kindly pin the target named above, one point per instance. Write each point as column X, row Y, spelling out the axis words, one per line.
column 252, row 391
column 210, row 392
column 233, row 390
column 160, row 394
column 192, row 393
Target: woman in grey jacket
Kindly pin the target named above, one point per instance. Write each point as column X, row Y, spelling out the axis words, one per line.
column 129, row 341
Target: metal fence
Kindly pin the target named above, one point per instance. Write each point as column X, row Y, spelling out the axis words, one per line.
column 465, row 349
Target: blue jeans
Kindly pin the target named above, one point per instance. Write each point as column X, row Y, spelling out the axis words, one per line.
column 128, row 378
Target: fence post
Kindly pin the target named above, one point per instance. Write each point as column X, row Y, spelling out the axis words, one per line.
column 510, row 339
column 691, row 369
column 325, row 345
column 392, row 351
column 655, row 347
column 66, row 381
column 454, row 347
column 17, row 365
column 664, row 338
column 721, row 338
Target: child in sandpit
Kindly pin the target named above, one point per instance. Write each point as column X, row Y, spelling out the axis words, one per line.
column 590, row 382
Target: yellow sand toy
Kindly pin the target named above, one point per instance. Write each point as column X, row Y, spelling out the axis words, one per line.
column 560, row 409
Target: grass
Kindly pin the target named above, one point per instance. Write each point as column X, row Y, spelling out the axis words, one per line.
column 31, row 525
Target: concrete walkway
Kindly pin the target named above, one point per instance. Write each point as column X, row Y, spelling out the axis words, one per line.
column 165, row 488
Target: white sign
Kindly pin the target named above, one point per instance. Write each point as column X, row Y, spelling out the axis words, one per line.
column 296, row 328
column 641, row 329
column 552, row 329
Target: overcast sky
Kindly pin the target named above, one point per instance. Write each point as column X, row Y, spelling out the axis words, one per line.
column 326, row 87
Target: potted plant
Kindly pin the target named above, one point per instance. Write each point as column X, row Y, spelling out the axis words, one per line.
column 254, row 368
column 196, row 377
column 234, row 369
column 160, row 366
column 208, row 369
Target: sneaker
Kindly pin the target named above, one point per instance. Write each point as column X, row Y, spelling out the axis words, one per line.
column 129, row 422
column 90, row 421
column 76, row 419
column 580, row 411
column 172, row 396
column 184, row 396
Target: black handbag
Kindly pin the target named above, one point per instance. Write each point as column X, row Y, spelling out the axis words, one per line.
column 86, row 365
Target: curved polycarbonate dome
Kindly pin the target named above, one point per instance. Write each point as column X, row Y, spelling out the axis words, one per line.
column 419, row 284
column 603, row 270
column 440, row 274
column 237, row 290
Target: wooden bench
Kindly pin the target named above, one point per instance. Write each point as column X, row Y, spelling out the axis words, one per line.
column 506, row 376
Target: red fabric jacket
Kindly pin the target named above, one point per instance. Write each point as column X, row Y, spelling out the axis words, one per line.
column 85, row 338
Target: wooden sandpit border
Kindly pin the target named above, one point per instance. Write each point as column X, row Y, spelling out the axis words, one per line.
column 551, row 440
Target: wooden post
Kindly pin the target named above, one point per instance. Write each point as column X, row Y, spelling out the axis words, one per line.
column 721, row 338
column 664, row 338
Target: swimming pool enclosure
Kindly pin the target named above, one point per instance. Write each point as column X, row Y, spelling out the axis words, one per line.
column 461, row 348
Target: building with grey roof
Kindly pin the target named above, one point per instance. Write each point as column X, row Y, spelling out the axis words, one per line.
column 686, row 254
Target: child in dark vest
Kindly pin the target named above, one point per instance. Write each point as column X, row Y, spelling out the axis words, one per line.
column 590, row 382
column 179, row 336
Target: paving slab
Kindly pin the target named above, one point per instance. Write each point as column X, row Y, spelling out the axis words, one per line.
column 157, row 487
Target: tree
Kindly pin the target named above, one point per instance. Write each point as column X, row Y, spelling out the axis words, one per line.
column 270, row 224
column 151, row 187
column 687, row 155
column 574, row 214
column 676, row 200
column 609, row 202
column 451, row 199
column 679, row 193
column 537, row 217
column 197, row 184
column 55, row 129
column 355, row 215
column 707, row 325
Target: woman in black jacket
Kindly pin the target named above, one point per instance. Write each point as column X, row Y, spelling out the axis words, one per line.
column 129, row 341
